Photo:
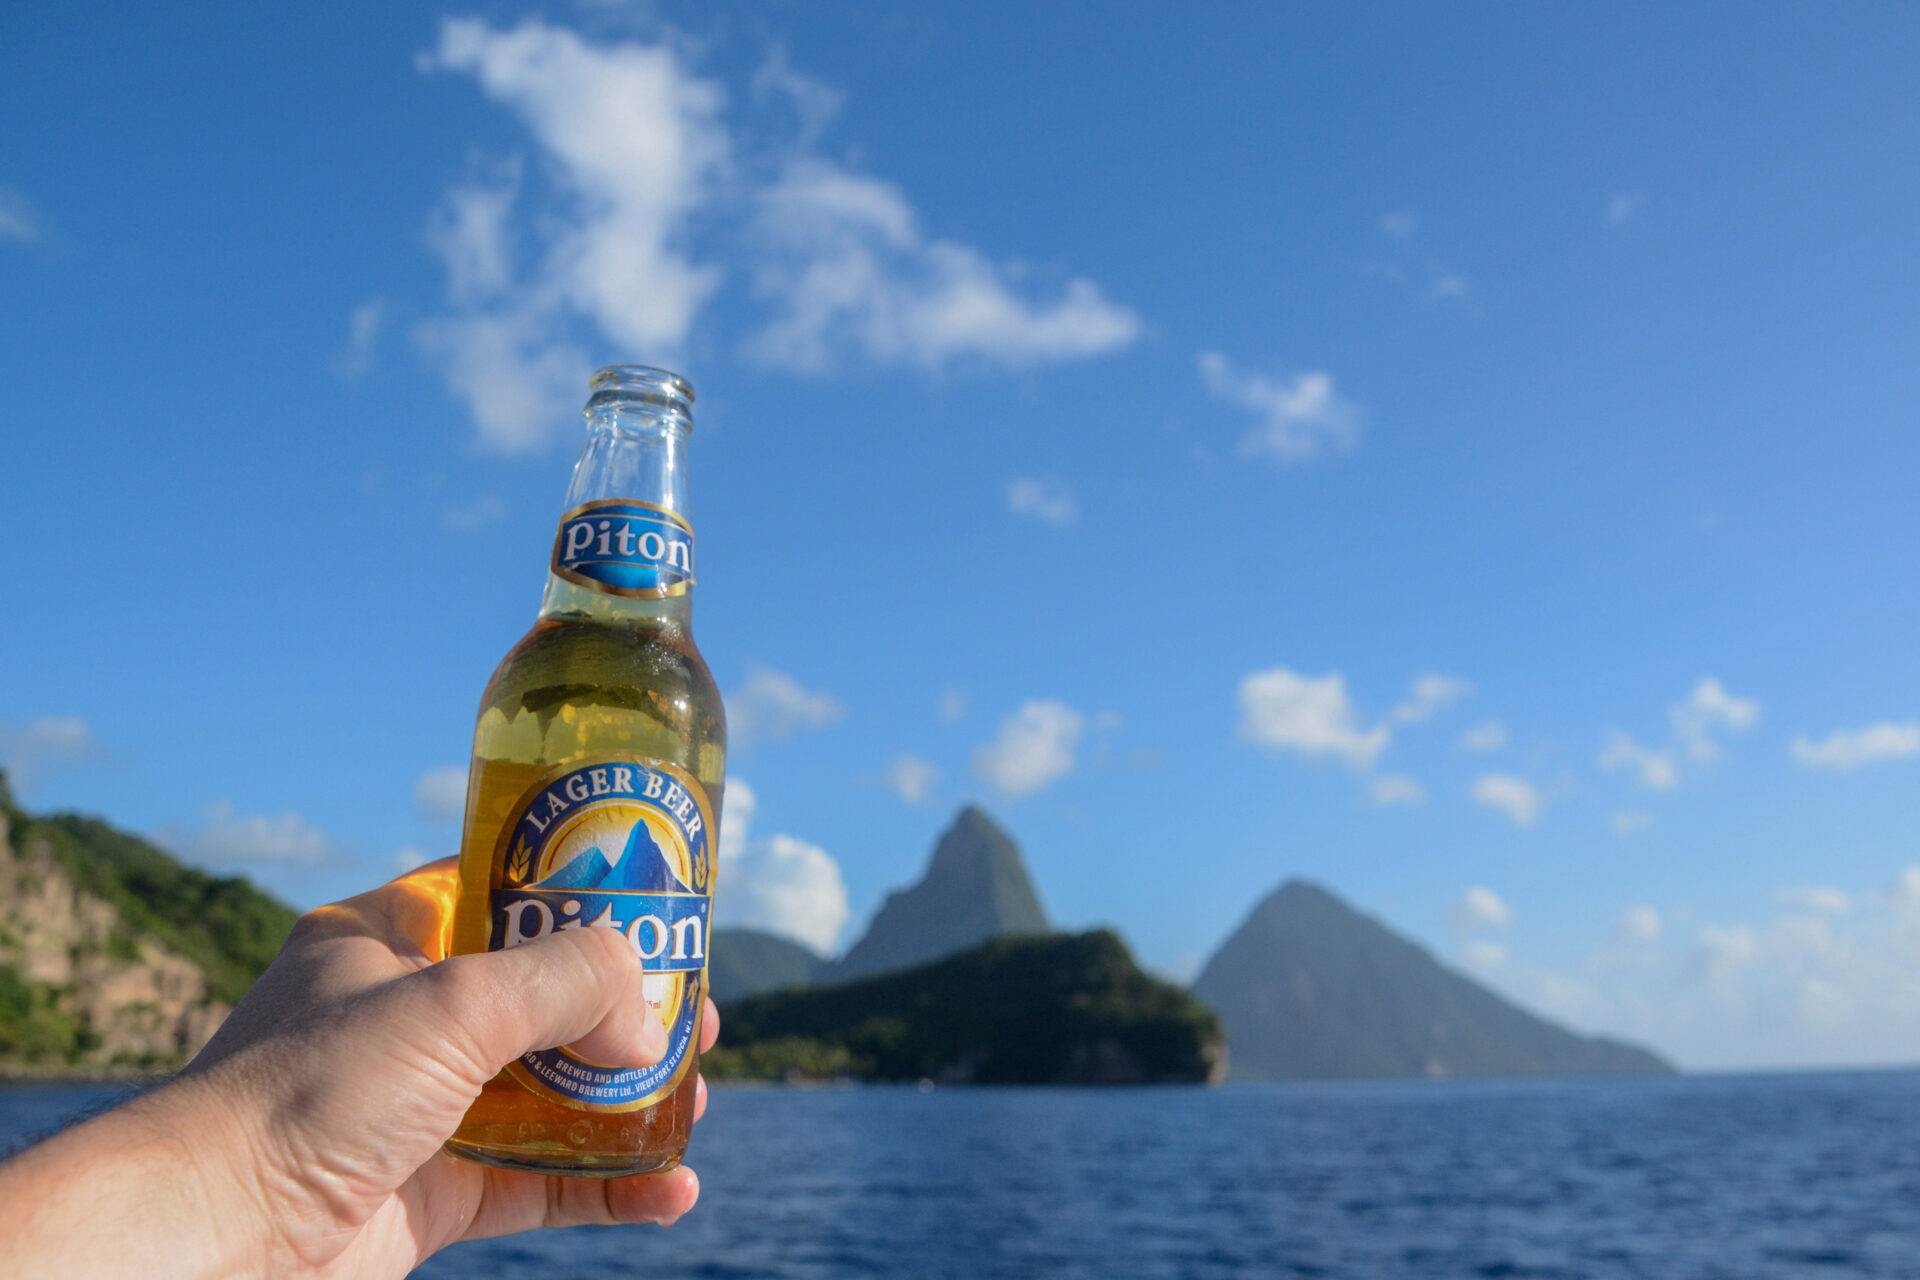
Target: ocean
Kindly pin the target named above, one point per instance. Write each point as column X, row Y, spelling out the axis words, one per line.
column 1743, row 1177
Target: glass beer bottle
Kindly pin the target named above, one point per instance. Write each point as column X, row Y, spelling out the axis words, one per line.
column 594, row 795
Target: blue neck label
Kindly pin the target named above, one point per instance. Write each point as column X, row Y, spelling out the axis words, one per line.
column 625, row 547
column 622, row 845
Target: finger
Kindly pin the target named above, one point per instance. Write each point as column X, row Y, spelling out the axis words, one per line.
column 709, row 1024
column 699, row 1098
column 580, row 988
column 511, row 1202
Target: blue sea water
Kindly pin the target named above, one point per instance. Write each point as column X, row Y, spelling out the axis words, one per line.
column 1744, row 1177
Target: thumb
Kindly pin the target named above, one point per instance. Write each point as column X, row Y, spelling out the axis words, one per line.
column 580, row 988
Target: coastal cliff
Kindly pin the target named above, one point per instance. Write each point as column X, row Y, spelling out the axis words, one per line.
column 113, row 956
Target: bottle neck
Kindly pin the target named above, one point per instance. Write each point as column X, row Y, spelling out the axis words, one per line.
column 633, row 461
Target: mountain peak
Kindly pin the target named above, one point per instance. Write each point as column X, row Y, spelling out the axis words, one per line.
column 975, row 887
column 1310, row 988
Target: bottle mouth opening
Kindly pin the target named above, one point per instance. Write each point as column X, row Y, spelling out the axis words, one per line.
column 642, row 385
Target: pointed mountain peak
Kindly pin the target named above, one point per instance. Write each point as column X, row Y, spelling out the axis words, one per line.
column 1310, row 988
column 976, row 886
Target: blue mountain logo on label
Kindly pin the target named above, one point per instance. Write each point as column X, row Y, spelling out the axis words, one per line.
column 625, row 547
column 621, row 845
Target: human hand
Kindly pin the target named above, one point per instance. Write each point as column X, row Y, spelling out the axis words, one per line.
column 305, row 1139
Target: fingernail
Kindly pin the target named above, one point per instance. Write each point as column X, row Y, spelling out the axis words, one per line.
column 653, row 1037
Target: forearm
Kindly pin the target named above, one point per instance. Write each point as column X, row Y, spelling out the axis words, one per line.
column 147, row 1190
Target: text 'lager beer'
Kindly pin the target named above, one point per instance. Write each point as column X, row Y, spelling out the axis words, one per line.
column 594, row 796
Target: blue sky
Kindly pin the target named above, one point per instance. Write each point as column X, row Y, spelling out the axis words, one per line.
column 1465, row 457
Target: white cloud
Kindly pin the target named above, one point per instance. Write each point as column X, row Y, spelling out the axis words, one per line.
column 1451, row 286
column 1623, row 207
column 1652, row 769
column 1488, row 735
column 1850, row 748
column 633, row 146
column 1807, row 985
column 771, row 704
column 18, row 221
column 604, row 242
column 1430, row 693
column 363, row 340
column 1707, row 710
column 1034, row 749
column 1399, row 225
column 778, row 883
column 1638, row 924
column 408, row 859
column 1515, row 797
column 1480, row 908
column 846, row 268
column 1307, row 714
column 482, row 511
column 1814, row 899
column 229, row 839
column 1048, row 502
column 953, row 704
column 789, row 886
column 1298, row 420
column 912, row 778
column 1484, row 955
column 1719, row 951
column 1629, row 822
column 29, row 752
column 441, row 793
column 1396, row 788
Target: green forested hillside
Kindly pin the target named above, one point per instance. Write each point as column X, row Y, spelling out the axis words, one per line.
column 1019, row 1010
column 111, row 952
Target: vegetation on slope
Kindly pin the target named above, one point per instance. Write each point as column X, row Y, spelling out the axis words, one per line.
column 1056, row 1009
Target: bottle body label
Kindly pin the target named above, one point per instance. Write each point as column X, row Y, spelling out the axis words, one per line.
column 625, row 547
column 615, row 844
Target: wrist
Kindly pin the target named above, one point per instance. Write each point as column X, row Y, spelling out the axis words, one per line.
column 157, row 1185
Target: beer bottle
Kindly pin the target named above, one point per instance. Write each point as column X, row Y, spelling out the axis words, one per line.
column 594, row 797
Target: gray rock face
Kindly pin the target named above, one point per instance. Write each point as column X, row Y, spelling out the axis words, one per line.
column 975, row 888
column 1310, row 989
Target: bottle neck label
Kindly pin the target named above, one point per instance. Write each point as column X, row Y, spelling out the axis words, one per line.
column 617, row 844
column 625, row 547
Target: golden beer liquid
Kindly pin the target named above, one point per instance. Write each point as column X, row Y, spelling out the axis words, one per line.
column 597, row 678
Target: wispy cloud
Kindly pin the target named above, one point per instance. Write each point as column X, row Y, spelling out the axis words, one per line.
column 779, row 883
column 364, row 326
column 1652, row 769
column 482, row 511
column 1298, row 418
column 846, row 269
column 1708, row 711
column 1511, row 795
column 228, row 839
column 1406, row 263
column 1395, row 789
column 1480, row 908
column 1623, row 207
column 32, row 751
column 1488, row 735
column 441, row 793
column 912, row 778
column 1050, row 503
column 1035, row 747
column 644, row 186
column 1429, row 694
column 1699, row 724
column 1845, row 749
column 771, row 704
column 1307, row 715
column 1629, row 822
column 18, row 220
